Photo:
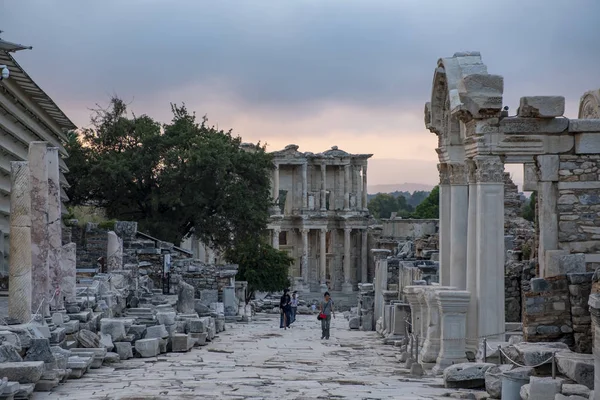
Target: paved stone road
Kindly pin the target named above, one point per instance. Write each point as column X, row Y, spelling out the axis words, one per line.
column 260, row 361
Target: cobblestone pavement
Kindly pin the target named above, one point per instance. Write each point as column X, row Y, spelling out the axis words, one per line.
column 260, row 361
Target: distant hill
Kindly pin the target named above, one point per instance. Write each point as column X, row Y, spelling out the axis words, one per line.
column 400, row 187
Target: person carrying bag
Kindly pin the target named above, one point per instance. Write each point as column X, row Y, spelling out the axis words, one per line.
column 325, row 314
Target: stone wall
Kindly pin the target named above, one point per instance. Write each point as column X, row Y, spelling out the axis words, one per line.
column 91, row 242
column 579, row 205
column 555, row 310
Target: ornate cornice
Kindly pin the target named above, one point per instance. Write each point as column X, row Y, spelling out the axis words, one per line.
column 490, row 169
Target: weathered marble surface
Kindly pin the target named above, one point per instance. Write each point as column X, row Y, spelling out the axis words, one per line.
column 54, row 226
column 114, row 252
column 259, row 360
column 19, row 303
column 68, row 283
column 38, row 167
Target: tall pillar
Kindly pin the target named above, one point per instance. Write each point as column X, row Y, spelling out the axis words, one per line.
column 304, row 186
column 445, row 213
column 490, row 246
column 323, row 259
column 304, row 260
column 364, row 187
column 357, row 182
column 276, row 189
column 547, row 196
column 459, row 193
column 69, row 278
column 472, row 324
column 19, row 270
column 276, row 232
column 38, row 168
column 347, row 285
column 347, row 187
column 323, row 187
column 54, row 227
column 364, row 262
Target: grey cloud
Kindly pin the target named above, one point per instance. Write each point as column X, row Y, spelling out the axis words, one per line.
column 286, row 55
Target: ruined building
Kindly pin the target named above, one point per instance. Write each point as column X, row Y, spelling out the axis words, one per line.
column 321, row 218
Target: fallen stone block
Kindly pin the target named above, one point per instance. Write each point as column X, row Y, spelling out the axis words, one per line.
column 40, row 351
column 83, row 316
column 88, row 339
column 544, row 388
column 166, row 318
column 106, row 342
column 45, row 385
column 112, row 358
column 113, row 327
column 354, row 323
column 466, row 375
column 11, row 388
column 569, row 389
column 560, row 396
column 157, row 331
column 493, row 379
column 197, row 325
column 97, row 355
column 12, row 338
column 147, row 347
column 138, row 331
column 25, row 391
column 124, row 350
column 531, row 354
column 577, row 367
column 200, row 338
column 182, row 342
column 9, row 353
column 58, row 335
column 22, row 372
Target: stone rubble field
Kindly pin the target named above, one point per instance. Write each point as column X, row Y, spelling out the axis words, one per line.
column 260, row 361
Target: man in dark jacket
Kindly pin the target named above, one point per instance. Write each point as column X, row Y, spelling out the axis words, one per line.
column 285, row 309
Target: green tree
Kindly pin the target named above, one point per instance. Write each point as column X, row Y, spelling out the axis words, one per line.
column 262, row 266
column 430, row 207
column 529, row 210
column 384, row 204
column 174, row 179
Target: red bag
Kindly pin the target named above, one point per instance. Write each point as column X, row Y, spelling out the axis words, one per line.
column 322, row 316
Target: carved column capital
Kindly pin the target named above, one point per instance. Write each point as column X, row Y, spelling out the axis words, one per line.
column 444, row 173
column 347, row 230
column 471, row 171
column 490, row 169
column 277, row 230
column 458, row 173
column 304, row 231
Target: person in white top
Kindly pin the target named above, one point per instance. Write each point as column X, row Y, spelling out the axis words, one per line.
column 294, row 305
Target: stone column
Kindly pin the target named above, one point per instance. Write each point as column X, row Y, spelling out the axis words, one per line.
column 453, row 306
column 304, row 186
column 364, row 187
column 276, row 232
column 347, row 187
column 364, row 257
column 459, row 193
column 412, row 296
column 472, row 324
column 347, row 285
column 323, row 187
column 54, row 227
column 381, row 280
column 358, row 187
column 594, row 303
column 276, row 188
column 19, row 270
column 69, row 276
column 304, row 261
column 547, row 196
column 431, row 346
column 114, row 252
column 445, row 219
column 38, row 168
column 490, row 247
column 323, row 259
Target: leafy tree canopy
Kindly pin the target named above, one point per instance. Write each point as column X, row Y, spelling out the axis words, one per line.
column 262, row 266
column 430, row 207
column 384, row 204
column 529, row 209
column 174, row 179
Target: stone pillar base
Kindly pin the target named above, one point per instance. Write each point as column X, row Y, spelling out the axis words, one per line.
column 347, row 288
column 453, row 306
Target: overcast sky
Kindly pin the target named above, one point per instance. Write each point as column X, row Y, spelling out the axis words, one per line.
column 317, row 73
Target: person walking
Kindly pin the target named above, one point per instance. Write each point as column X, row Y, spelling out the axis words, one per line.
column 326, row 309
column 285, row 309
column 294, row 307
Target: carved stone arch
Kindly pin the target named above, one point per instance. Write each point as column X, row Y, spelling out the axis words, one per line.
column 589, row 105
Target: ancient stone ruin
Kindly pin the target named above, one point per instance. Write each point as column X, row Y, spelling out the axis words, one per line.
column 85, row 296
